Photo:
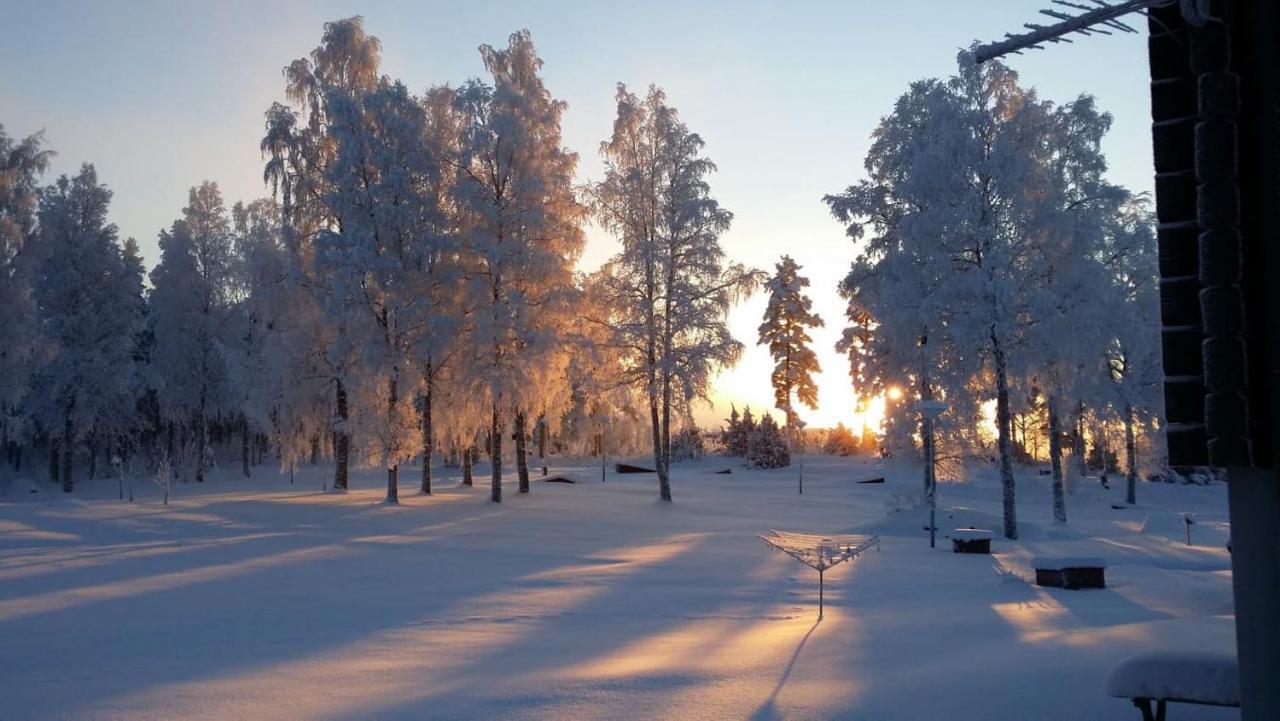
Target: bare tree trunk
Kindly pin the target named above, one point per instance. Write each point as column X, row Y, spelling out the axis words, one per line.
column 1100, row 444
column 495, row 450
column 651, row 370
column 428, row 433
column 666, row 433
column 1131, row 458
column 171, row 451
column 184, row 451
column 664, row 488
column 664, row 479
column 93, row 456
column 468, row 455
column 542, row 443
column 1003, row 440
column 1077, row 451
column 315, row 449
column 926, row 432
column 244, row 445
column 202, row 435
column 522, row 459
column 55, row 460
column 393, row 463
column 68, row 446
column 1055, row 461
column 341, row 439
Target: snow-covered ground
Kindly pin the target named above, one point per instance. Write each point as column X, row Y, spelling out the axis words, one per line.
column 260, row 600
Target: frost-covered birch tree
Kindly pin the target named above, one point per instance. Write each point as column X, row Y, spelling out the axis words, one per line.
column 522, row 232
column 964, row 179
column 671, row 287
column 253, row 336
column 382, row 258
column 1133, row 358
column 1069, row 307
column 22, row 162
column 299, row 148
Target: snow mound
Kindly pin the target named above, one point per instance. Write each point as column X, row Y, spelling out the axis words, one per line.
column 1202, row 677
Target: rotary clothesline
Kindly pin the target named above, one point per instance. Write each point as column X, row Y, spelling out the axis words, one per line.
column 819, row 552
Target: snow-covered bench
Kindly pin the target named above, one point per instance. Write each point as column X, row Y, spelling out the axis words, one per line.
column 971, row 540
column 1070, row 572
column 1164, row 677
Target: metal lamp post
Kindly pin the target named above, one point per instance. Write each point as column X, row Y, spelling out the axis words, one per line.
column 929, row 410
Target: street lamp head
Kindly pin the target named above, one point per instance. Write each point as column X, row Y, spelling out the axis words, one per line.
column 930, row 409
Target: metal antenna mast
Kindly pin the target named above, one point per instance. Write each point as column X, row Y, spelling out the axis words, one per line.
column 1100, row 18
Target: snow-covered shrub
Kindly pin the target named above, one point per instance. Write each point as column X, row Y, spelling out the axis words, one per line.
column 687, row 444
column 1198, row 476
column 736, row 437
column 900, row 501
column 768, row 446
column 841, row 442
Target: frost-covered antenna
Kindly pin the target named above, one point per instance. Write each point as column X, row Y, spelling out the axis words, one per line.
column 1100, row 18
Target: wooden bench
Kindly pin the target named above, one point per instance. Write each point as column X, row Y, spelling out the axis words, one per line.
column 971, row 540
column 1070, row 572
column 1154, row 679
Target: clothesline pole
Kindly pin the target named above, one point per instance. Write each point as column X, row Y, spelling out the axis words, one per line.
column 820, row 592
column 820, row 552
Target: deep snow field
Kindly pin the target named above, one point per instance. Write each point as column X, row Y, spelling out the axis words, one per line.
column 254, row 599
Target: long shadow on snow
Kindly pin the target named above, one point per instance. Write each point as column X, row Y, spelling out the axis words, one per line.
column 678, row 597
column 291, row 601
column 978, row 638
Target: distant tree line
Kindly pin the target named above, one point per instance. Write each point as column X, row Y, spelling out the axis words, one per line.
column 408, row 289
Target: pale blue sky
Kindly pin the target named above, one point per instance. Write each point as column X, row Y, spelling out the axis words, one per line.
column 162, row 95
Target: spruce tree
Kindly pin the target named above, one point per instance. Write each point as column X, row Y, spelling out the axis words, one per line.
column 785, row 330
column 768, row 445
